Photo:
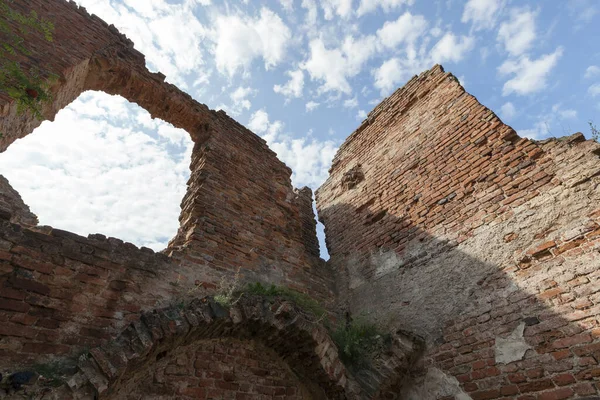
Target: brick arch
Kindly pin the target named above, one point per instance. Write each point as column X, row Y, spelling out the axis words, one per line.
column 302, row 343
column 98, row 58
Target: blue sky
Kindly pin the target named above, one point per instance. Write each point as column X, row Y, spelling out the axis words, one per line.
column 302, row 74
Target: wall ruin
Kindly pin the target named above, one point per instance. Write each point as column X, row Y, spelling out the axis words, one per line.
column 441, row 222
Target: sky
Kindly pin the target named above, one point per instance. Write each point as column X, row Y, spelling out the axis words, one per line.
column 302, row 74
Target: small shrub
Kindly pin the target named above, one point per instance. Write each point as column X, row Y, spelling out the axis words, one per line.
column 355, row 341
column 594, row 129
column 302, row 300
column 228, row 291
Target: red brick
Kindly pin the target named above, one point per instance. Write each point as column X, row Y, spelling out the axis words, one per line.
column 536, row 386
column 557, row 394
column 13, row 305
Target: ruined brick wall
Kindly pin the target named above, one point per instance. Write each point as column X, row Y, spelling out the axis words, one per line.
column 240, row 211
column 61, row 293
column 443, row 222
column 218, row 369
column 13, row 206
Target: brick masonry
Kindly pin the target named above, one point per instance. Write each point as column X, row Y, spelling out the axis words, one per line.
column 441, row 221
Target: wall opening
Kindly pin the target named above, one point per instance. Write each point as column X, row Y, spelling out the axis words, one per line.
column 103, row 166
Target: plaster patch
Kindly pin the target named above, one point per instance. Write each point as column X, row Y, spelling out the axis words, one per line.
column 513, row 347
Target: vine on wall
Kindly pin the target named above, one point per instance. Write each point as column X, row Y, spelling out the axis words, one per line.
column 29, row 88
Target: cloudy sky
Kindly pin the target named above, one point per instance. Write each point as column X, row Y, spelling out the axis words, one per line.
column 302, row 74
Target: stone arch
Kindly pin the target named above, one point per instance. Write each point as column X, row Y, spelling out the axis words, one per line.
column 300, row 341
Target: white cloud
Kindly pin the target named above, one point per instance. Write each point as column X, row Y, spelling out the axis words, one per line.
column 529, row 76
column 309, row 158
column 564, row 114
column 169, row 35
column 594, row 90
column 288, row 5
column 591, row 72
column 451, row 48
column 240, row 98
column 103, row 166
column 242, row 39
column 406, row 29
column 331, row 8
column 367, row 6
column 335, row 66
column 239, row 101
column 538, row 132
column 311, row 12
column 361, row 115
column 482, row 13
column 351, row 103
column 293, row 88
column 583, row 11
column 518, row 33
column 508, row 111
column 259, row 124
column 312, row 105
column 389, row 75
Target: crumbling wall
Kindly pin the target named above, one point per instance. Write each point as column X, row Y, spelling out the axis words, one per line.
column 219, row 368
column 240, row 211
column 12, row 205
column 443, row 222
column 61, row 293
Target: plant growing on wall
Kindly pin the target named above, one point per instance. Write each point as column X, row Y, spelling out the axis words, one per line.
column 594, row 129
column 28, row 87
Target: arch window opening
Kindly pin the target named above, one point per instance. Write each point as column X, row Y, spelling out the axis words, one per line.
column 103, row 166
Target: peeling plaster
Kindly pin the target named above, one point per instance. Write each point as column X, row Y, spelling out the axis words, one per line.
column 513, row 347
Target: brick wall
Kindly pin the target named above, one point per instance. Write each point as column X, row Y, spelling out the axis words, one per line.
column 12, row 204
column 241, row 209
column 219, row 369
column 443, row 222
column 61, row 293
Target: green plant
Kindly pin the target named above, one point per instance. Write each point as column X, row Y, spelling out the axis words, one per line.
column 302, row 300
column 29, row 88
column 594, row 129
column 229, row 290
column 355, row 341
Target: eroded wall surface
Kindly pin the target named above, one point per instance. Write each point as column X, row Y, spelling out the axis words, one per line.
column 221, row 369
column 62, row 294
column 240, row 212
column 12, row 204
column 441, row 221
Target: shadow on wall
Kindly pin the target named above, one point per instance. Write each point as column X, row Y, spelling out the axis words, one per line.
column 529, row 328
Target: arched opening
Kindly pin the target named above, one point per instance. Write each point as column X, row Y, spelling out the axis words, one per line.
column 222, row 368
column 104, row 165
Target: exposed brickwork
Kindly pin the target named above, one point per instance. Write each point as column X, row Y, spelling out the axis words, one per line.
column 221, row 369
column 442, row 221
column 240, row 210
column 11, row 203
column 60, row 292
column 176, row 341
